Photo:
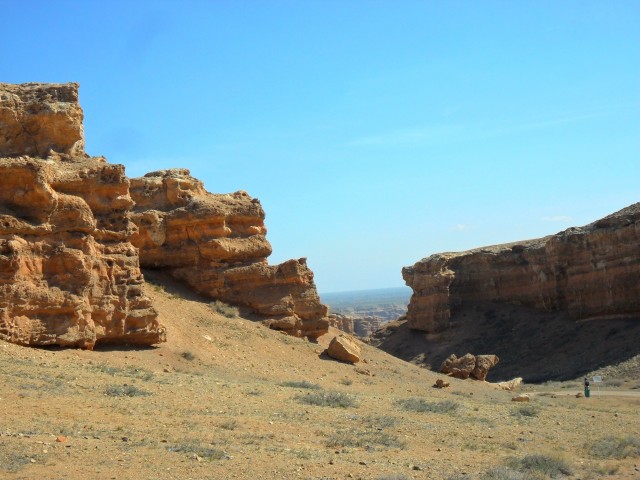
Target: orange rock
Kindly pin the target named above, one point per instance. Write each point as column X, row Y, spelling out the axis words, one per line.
column 68, row 274
column 441, row 384
column 61, row 439
column 572, row 272
column 345, row 348
column 216, row 243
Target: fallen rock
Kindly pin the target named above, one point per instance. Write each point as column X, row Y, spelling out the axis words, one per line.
column 484, row 363
column 344, row 348
column 469, row 366
column 521, row 398
column 509, row 385
column 441, row 384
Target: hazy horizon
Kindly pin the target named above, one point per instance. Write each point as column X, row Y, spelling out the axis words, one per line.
column 374, row 133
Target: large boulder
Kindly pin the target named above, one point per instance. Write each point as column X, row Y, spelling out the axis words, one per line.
column 344, row 348
column 469, row 365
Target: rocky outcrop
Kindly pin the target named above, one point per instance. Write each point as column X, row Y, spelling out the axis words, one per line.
column 589, row 273
column 359, row 326
column 216, row 243
column 68, row 274
column 474, row 366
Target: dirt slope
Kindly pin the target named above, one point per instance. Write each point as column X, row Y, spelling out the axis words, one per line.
column 212, row 403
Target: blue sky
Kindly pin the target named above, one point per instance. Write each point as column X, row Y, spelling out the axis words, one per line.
column 374, row 133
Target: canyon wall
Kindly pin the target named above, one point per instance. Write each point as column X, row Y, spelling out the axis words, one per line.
column 69, row 275
column 216, row 244
column 591, row 272
column 72, row 238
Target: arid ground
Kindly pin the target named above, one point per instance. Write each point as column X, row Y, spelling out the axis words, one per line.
column 229, row 398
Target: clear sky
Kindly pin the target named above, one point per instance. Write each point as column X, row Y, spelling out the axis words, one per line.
column 375, row 133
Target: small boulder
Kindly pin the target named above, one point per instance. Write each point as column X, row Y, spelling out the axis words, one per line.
column 521, row 398
column 344, row 348
column 510, row 385
column 440, row 384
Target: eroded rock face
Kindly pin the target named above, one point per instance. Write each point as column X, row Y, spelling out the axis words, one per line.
column 590, row 273
column 216, row 243
column 68, row 274
column 37, row 118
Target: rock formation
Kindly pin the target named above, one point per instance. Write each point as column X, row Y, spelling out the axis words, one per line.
column 216, row 244
column 359, row 326
column 469, row 366
column 68, row 274
column 589, row 273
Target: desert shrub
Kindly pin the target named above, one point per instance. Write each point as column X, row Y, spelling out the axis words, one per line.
column 393, row 476
column 195, row 448
column 300, row 384
column 229, row 425
column 346, row 381
column 544, row 464
column 382, row 421
column 329, row 399
column 504, row 473
column 363, row 438
column 224, row 309
column 526, row 411
column 125, row 391
column 421, row 405
column 616, row 447
column 188, row 356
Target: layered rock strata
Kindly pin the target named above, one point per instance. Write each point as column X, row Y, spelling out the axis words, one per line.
column 591, row 272
column 68, row 274
column 216, row 243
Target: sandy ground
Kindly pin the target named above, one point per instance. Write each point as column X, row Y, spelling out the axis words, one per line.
column 223, row 399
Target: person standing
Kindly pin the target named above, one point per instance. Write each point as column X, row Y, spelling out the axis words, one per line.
column 587, row 390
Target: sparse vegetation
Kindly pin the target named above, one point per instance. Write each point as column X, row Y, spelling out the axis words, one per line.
column 616, row 447
column 504, row 473
column 125, row 391
column 541, row 464
column 421, row 405
column 526, row 411
column 393, row 476
column 363, row 438
column 346, row 381
column 329, row 399
column 188, row 356
column 301, row 384
column 229, row 425
column 224, row 309
column 195, row 448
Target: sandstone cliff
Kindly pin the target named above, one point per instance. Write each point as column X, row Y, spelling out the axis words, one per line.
column 216, row 243
column 68, row 274
column 591, row 272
